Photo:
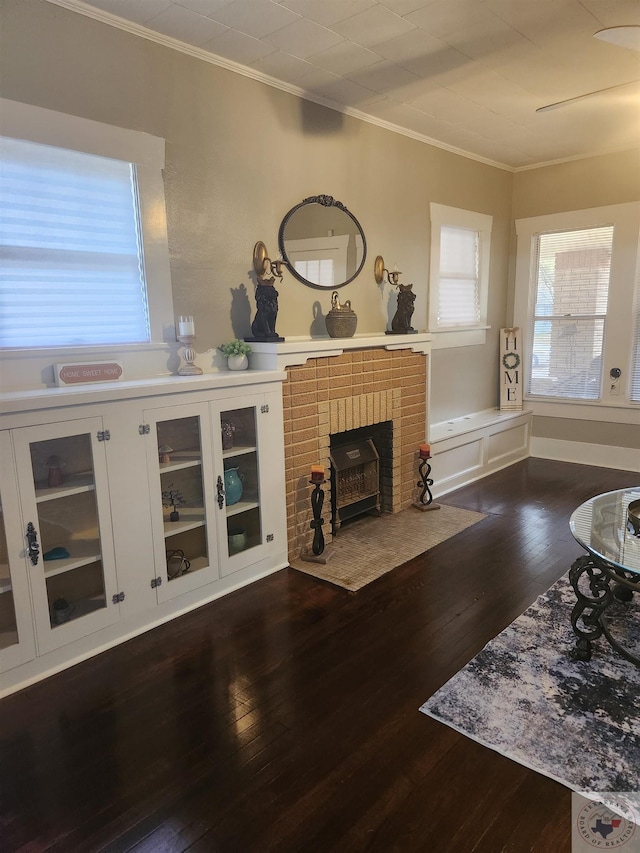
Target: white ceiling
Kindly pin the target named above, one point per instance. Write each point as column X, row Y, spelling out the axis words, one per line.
column 465, row 74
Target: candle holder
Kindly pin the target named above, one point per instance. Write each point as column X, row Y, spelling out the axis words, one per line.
column 189, row 355
column 319, row 553
column 425, row 501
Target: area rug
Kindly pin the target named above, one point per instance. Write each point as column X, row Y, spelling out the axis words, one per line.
column 370, row 547
column 525, row 697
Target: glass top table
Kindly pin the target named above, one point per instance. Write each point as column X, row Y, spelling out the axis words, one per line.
column 608, row 573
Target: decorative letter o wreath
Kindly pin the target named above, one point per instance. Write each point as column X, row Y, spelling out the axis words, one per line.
column 511, row 360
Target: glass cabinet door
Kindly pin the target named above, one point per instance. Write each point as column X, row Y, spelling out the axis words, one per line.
column 242, row 524
column 17, row 644
column 181, row 475
column 65, row 503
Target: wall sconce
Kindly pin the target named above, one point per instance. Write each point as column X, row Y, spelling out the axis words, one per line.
column 379, row 271
column 262, row 263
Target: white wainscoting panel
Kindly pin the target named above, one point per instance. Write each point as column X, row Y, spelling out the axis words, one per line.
column 471, row 447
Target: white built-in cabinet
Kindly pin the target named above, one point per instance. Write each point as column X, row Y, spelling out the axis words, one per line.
column 125, row 506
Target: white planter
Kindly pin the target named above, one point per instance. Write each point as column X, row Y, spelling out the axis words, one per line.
column 237, row 362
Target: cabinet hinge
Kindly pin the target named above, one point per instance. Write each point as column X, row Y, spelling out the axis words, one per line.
column 264, row 409
column 270, row 537
column 118, row 597
column 144, row 429
column 104, row 435
column 156, row 582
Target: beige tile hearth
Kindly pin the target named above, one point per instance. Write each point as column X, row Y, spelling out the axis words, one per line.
column 370, row 547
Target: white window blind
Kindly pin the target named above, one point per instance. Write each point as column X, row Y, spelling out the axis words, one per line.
column 571, row 272
column 319, row 271
column 458, row 292
column 71, row 260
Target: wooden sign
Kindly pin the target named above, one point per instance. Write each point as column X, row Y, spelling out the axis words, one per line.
column 510, row 369
column 90, row 371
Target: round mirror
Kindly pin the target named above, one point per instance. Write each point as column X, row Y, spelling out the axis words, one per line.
column 322, row 243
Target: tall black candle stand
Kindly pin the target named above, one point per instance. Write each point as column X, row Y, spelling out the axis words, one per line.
column 425, row 501
column 319, row 553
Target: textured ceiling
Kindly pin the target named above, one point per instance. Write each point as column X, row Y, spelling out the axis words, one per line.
column 465, row 74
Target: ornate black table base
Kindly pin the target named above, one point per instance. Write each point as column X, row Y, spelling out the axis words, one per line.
column 588, row 617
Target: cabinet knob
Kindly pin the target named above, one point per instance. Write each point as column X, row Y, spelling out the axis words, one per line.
column 33, row 549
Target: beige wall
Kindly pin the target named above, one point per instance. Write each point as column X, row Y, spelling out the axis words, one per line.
column 580, row 184
column 591, row 432
column 240, row 154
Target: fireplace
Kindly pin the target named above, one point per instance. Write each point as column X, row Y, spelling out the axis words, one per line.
column 355, row 388
column 355, row 479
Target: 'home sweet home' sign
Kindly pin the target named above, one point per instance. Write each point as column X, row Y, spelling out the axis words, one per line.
column 510, row 369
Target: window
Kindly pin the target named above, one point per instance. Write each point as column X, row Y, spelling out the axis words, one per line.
column 574, row 300
column 320, row 260
column 459, row 280
column 82, row 232
column 571, row 283
column 70, row 249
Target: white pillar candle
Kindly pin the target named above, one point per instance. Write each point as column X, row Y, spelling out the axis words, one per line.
column 186, row 326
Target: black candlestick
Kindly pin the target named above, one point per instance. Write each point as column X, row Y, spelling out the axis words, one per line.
column 317, row 500
column 425, row 500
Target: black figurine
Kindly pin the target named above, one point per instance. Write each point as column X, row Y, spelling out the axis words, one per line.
column 401, row 323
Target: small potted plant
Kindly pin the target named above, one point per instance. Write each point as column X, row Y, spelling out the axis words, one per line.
column 236, row 353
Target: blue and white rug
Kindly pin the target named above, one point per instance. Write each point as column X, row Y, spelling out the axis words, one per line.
column 525, row 697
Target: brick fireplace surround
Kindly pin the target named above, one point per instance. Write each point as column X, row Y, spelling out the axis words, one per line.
column 331, row 390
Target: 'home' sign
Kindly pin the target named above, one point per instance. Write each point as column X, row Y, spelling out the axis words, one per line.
column 510, row 369
column 90, row 371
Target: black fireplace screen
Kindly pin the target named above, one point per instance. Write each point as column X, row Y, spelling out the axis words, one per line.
column 355, row 481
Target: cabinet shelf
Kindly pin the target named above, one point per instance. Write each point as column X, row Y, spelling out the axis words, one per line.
column 239, row 450
column 197, row 563
column 240, row 507
column 185, row 459
column 8, row 638
column 74, row 485
column 81, row 607
column 5, row 578
column 82, row 553
column 190, row 518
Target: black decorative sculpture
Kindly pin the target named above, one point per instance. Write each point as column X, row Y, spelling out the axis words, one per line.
column 401, row 323
column 263, row 327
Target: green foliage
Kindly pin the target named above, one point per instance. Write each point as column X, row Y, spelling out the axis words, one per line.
column 235, row 348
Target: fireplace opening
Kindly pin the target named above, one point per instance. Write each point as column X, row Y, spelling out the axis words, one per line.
column 361, row 472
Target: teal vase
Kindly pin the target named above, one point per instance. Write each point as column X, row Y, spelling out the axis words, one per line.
column 233, row 486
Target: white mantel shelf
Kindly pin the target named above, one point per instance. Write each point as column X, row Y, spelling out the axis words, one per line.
column 279, row 355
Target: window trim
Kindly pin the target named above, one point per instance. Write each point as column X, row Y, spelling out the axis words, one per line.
column 147, row 152
column 444, row 215
column 625, row 264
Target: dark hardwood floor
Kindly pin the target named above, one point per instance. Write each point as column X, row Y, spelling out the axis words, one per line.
column 284, row 717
